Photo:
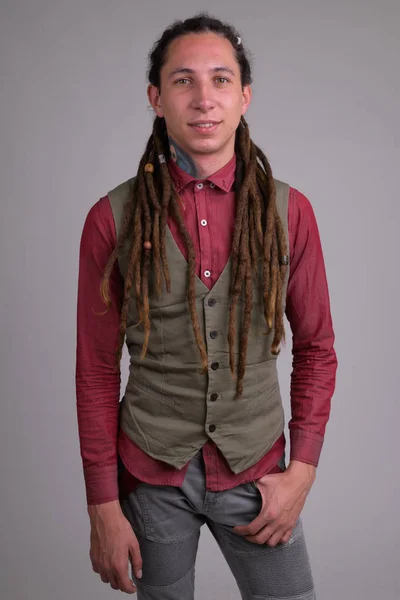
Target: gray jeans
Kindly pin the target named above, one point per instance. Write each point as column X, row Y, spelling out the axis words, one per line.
column 167, row 522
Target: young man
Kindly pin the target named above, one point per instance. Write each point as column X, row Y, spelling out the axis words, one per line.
column 194, row 262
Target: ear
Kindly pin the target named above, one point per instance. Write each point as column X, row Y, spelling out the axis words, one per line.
column 247, row 93
column 154, row 96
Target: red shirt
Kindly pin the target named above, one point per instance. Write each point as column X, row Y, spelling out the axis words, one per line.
column 209, row 218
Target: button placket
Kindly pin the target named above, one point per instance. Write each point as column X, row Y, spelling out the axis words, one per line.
column 200, row 197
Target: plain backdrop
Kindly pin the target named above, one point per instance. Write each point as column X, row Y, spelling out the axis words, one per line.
column 74, row 122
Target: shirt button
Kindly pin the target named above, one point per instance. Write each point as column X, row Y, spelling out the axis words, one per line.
column 212, row 185
column 200, row 186
column 215, row 366
column 207, row 273
column 213, row 397
column 203, row 222
column 212, row 302
column 212, row 428
column 213, row 334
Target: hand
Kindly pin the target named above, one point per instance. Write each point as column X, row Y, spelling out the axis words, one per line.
column 283, row 497
column 112, row 544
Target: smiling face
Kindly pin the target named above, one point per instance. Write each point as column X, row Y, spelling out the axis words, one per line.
column 201, row 96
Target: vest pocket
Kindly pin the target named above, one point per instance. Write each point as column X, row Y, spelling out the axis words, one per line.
column 146, row 390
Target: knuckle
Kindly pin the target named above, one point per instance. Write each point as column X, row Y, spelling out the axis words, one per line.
column 116, row 568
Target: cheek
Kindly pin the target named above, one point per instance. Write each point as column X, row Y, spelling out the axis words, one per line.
column 175, row 110
column 234, row 104
column 233, row 109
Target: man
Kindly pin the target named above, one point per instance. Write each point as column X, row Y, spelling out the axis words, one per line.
column 194, row 262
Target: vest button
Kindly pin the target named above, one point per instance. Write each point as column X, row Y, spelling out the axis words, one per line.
column 215, row 366
column 212, row 428
column 213, row 397
column 212, row 302
column 213, row 334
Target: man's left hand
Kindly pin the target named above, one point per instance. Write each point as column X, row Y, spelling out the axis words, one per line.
column 283, row 497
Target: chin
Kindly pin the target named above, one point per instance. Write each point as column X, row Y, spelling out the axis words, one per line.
column 207, row 147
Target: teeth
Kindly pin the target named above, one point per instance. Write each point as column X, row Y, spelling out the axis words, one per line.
column 204, row 124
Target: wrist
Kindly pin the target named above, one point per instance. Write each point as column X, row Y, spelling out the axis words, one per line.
column 302, row 470
column 104, row 511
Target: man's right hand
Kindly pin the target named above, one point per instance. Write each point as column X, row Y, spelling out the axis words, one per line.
column 112, row 544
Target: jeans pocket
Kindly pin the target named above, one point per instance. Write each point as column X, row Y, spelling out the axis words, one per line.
column 254, row 486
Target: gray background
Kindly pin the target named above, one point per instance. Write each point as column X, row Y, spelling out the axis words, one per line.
column 74, row 120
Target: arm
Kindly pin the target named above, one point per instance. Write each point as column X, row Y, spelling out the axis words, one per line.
column 314, row 358
column 312, row 381
column 97, row 383
column 112, row 541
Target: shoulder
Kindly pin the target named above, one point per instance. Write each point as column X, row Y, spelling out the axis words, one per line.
column 300, row 210
column 99, row 224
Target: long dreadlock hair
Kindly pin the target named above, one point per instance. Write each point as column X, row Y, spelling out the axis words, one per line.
column 258, row 246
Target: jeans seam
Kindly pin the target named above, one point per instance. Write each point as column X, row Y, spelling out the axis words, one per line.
column 296, row 597
column 154, row 538
column 144, row 511
column 237, row 553
column 139, row 583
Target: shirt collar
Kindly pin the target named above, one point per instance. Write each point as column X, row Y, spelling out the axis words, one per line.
column 223, row 179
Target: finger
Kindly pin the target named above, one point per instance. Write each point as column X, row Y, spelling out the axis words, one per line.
column 276, row 537
column 124, row 583
column 254, row 527
column 263, row 535
column 104, row 578
column 95, row 567
column 113, row 582
column 286, row 536
column 136, row 560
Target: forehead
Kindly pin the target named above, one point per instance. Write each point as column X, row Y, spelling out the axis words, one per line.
column 200, row 49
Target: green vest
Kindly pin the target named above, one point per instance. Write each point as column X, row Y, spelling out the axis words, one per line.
column 170, row 409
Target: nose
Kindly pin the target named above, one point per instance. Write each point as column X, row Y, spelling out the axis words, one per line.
column 203, row 99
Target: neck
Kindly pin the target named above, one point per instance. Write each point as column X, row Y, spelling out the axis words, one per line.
column 201, row 166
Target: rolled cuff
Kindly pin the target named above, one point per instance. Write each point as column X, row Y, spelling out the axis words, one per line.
column 101, row 485
column 305, row 446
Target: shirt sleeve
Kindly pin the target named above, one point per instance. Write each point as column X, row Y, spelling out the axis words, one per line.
column 308, row 311
column 97, row 381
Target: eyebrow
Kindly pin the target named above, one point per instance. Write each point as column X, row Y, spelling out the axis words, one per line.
column 188, row 71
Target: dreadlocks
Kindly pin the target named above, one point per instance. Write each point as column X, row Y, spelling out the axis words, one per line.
column 259, row 246
column 258, row 236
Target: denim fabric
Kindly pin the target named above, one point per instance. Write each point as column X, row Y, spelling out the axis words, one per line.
column 167, row 522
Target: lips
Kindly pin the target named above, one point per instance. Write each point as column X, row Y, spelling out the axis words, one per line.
column 204, row 126
column 195, row 123
column 201, row 124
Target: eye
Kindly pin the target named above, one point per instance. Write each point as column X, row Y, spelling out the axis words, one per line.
column 182, row 81
column 222, row 80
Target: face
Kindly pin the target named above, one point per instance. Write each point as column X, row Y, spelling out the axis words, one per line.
column 201, row 95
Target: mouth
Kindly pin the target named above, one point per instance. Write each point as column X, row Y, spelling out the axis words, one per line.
column 204, row 127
